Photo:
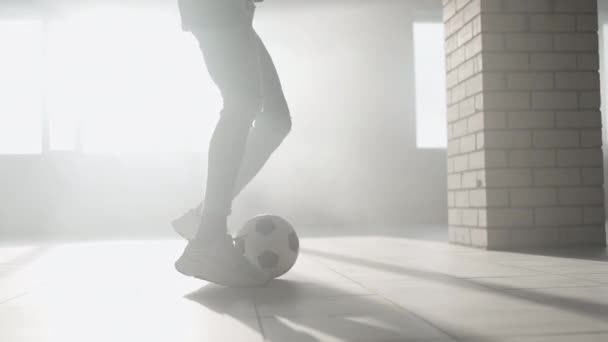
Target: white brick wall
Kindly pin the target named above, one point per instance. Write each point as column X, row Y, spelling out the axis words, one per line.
column 524, row 152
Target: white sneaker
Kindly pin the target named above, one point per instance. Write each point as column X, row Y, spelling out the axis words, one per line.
column 187, row 225
column 218, row 262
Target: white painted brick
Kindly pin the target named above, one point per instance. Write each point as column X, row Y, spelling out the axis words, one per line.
column 469, row 217
column 480, row 140
column 556, row 138
column 466, row 70
column 586, row 235
column 580, row 157
column 558, row 216
column 459, row 235
column 460, row 4
column 526, row 6
column 497, row 197
column 577, row 80
column 535, row 237
column 456, row 59
column 588, row 61
column 590, row 100
column 451, row 199
column 593, row 176
column 496, row 159
column 557, row 177
column 504, row 178
column 459, row 128
column 468, row 144
column 583, row 6
column 465, row 34
column 462, row 199
column 477, row 160
column 449, row 10
column 530, row 81
column 529, row 42
column 581, row 196
column 494, row 81
column 552, row 23
column 532, row 158
column 458, row 93
column 578, row 119
column 535, row 119
column 475, row 122
column 482, row 217
column 495, row 120
column 496, row 22
column 478, row 198
column 533, row 197
column 509, row 100
column 594, row 215
column 474, row 85
column 461, row 163
column 453, row 147
column 555, row 100
column 469, row 180
column 479, row 237
column 575, row 42
column 505, row 217
column 467, row 107
column 453, row 113
column 591, row 138
column 553, row 61
column 454, row 181
column 492, row 42
column 507, row 61
column 587, row 23
column 508, row 139
column 472, row 10
column 489, row 6
column 454, row 216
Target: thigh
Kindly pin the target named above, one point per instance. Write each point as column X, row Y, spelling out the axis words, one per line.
column 231, row 57
column 272, row 90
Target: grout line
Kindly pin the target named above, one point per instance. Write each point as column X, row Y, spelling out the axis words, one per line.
column 396, row 305
column 259, row 319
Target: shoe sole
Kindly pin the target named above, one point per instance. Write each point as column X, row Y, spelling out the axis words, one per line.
column 189, row 267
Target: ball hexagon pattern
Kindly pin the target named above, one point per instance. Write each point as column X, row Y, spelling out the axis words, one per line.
column 270, row 243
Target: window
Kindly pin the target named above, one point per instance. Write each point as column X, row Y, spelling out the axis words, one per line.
column 114, row 79
column 431, row 98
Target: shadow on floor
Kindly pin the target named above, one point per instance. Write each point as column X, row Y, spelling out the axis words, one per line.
column 584, row 307
column 283, row 313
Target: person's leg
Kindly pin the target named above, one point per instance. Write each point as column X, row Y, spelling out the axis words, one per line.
column 231, row 58
column 271, row 125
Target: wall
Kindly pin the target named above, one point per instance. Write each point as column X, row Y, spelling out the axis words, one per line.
column 351, row 159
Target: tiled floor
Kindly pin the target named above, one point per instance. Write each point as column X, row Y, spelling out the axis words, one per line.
column 362, row 288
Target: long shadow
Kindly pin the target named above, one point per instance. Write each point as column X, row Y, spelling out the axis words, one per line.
column 594, row 310
column 281, row 295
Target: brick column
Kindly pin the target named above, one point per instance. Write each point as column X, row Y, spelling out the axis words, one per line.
column 525, row 133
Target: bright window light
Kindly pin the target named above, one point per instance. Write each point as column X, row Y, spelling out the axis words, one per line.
column 20, row 87
column 431, row 103
column 137, row 85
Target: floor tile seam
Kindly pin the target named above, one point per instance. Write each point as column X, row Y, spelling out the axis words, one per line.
column 396, row 305
column 258, row 319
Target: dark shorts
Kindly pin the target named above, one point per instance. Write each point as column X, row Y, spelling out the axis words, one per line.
column 215, row 14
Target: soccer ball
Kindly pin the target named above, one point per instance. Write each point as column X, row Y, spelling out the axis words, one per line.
column 270, row 243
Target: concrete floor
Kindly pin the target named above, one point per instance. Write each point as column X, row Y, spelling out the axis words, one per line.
column 342, row 289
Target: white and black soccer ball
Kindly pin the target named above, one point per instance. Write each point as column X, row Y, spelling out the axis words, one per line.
column 270, row 243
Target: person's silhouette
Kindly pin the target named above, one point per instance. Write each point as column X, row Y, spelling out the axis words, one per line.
column 253, row 122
